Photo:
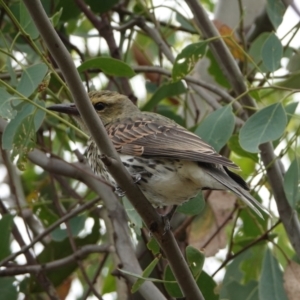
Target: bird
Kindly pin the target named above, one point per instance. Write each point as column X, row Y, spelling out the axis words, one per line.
column 171, row 164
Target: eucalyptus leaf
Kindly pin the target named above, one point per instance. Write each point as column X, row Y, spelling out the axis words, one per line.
column 19, row 134
column 7, row 109
column 275, row 11
column 291, row 183
column 76, row 225
column 153, row 246
column 166, row 90
column 133, row 215
column 10, row 129
column 173, row 289
column 217, row 128
column 208, row 286
column 31, row 78
column 270, row 286
column 8, row 289
column 146, row 273
column 265, row 125
column 6, row 224
column 255, row 52
column 27, row 22
column 193, row 206
column 195, row 260
column 108, row 65
column 272, row 52
column 187, row 59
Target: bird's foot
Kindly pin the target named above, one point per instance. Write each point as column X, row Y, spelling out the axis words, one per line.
column 167, row 219
column 167, row 224
column 119, row 192
column 136, row 177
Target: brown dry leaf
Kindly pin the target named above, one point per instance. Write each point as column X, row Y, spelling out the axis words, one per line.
column 291, row 278
column 64, row 288
column 142, row 60
column 221, row 204
column 230, row 40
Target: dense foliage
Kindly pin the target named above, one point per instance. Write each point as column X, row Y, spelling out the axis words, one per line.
column 61, row 227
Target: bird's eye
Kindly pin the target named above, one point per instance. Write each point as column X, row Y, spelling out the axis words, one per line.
column 99, row 106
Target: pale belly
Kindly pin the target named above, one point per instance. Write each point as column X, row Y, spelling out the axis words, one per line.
column 163, row 181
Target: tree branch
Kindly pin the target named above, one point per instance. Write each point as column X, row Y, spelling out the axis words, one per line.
column 57, row 264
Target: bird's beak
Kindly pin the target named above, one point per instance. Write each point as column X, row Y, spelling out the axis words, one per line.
column 69, row 109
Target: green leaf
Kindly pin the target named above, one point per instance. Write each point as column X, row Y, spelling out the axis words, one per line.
column 270, row 286
column 291, row 183
column 173, row 289
column 10, row 129
column 215, row 71
column 207, row 286
column 19, row 134
column 187, row 59
column 31, row 78
column 233, row 273
column 56, row 17
column 67, row 12
column 23, row 141
column 265, row 125
column 195, row 260
column 145, row 274
column 271, row 53
column 27, row 23
column 251, row 266
column 166, row 90
column 6, row 108
column 133, row 215
column 108, row 284
column 275, row 11
column 255, row 52
column 11, row 71
column 235, row 146
column 237, row 291
column 290, row 110
column 153, row 246
column 7, row 289
column 6, row 224
column 38, row 115
column 76, row 225
column 109, row 66
column 45, row 214
column 185, row 23
column 101, row 6
column 217, row 128
column 193, row 206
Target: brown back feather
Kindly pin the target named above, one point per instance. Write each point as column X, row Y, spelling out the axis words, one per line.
column 155, row 137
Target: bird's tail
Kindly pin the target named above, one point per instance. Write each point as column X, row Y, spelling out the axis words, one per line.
column 236, row 187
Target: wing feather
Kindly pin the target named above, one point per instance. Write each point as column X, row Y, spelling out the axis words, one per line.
column 151, row 137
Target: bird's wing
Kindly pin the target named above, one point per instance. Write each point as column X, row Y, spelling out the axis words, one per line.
column 144, row 137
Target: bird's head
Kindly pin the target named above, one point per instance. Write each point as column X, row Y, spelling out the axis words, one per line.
column 109, row 106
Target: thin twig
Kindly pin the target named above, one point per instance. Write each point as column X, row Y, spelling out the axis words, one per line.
column 57, row 264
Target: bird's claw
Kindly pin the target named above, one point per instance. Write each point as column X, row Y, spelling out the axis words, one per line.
column 119, row 192
column 136, row 177
column 167, row 224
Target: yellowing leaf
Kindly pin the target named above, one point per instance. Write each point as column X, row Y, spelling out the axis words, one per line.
column 230, row 40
